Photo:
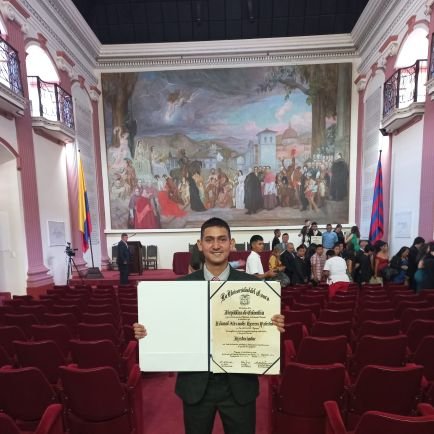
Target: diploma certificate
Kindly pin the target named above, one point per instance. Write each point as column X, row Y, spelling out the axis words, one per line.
column 243, row 338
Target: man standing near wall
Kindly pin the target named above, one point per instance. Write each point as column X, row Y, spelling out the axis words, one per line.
column 123, row 259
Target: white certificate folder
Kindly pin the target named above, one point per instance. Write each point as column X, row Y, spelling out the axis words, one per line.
column 176, row 315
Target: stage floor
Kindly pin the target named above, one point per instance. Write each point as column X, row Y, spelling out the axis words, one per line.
column 112, row 277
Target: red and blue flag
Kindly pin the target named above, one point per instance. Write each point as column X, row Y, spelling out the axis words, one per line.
column 376, row 230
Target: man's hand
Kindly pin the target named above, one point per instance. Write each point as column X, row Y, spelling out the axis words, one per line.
column 279, row 321
column 270, row 273
column 139, row 331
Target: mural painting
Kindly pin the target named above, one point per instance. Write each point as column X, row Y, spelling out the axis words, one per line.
column 263, row 146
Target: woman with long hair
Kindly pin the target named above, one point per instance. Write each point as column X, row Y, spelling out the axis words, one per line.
column 419, row 274
column 400, row 263
column 354, row 238
column 381, row 259
column 428, row 268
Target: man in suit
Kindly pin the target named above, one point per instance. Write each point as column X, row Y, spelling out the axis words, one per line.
column 123, row 259
column 205, row 393
column 299, row 268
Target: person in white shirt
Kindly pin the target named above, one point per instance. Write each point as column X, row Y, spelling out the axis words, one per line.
column 254, row 264
column 335, row 270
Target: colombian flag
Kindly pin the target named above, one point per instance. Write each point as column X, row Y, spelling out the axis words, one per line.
column 84, row 223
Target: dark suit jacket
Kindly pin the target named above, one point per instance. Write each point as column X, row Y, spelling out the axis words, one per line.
column 191, row 386
column 299, row 271
column 123, row 253
column 287, row 259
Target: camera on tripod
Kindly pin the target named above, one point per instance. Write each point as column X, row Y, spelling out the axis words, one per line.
column 70, row 251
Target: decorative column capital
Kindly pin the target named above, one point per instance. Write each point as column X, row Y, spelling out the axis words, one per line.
column 15, row 12
column 94, row 93
column 64, row 63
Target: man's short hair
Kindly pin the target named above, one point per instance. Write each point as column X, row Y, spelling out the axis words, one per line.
column 276, row 230
column 369, row 248
column 330, row 253
column 124, row 235
column 301, row 246
column 337, row 244
column 318, row 245
column 314, row 223
column 214, row 222
column 306, row 220
column 255, row 238
column 286, row 233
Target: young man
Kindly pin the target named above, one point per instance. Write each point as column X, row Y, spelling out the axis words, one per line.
column 299, row 268
column 123, row 259
column 304, row 230
column 205, row 393
column 284, row 243
column 276, row 239
column 335, row 270
column 313, row 232
column 287, row 257
column 329, row 238
column 317, row 262
column 363, row 265
column 254, row 264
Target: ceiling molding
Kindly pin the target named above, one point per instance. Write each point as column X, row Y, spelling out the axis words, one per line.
column 219, row 53
column 380, row 20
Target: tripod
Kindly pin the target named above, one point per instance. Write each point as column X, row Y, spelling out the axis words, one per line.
column 69, row 270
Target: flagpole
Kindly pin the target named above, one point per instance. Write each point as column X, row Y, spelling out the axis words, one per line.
column 91, row 250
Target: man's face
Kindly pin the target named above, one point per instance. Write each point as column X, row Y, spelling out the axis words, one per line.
column 314, row 227
column 337, row 250
column 301, row 252
column 278, row 234
column 125, row 238
column 137, row 192
column 290, row 248
column 319, row 251
column 258, row 246
column 329, row 228
column 363, row 244
column 285, row 238
column 215, row 245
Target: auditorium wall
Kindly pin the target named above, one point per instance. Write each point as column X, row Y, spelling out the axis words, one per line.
column 53, row 204
column 405, row 187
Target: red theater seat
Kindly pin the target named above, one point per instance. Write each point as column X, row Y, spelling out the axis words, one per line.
column 50, row 423
column 322, row 351
column 377, row 422
column 98, row 403
column 298, row 404
column 31, row 396
column 381, row 388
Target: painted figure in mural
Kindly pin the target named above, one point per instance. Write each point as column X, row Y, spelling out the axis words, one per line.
column 252, row 192
column 132, row 207
column 184, row 191
column 195, row 201
column 310, row 190
column 198, row 179
column 144, row 217
column 129, row 175
column 172, row 190
column 157, row 164
column 339, row 179
column 119, row 154
column 239, row 190
column 168, row 208
column 211, row 192
column 141, row 160
column 118, row 189
column 270, row 190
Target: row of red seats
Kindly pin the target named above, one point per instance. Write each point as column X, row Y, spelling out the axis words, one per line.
column 298, row 398
column 95, row 400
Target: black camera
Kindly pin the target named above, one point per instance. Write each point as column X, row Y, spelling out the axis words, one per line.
column 70, row 251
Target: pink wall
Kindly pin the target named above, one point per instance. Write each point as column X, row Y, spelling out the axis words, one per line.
column 37, row 272
column 426, row 213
